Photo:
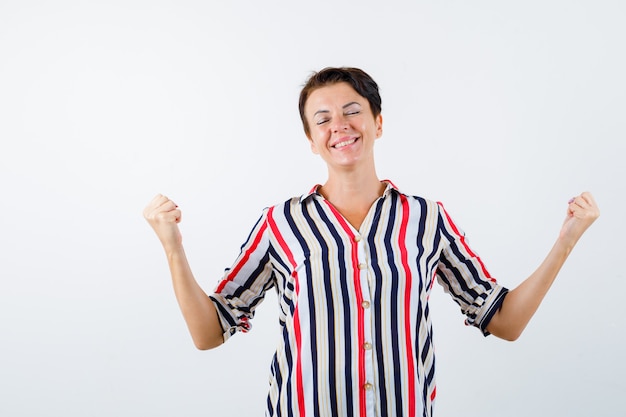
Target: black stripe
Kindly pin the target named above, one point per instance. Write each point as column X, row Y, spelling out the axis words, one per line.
column 311, row 308
column 395, row 343
column 377, row 310
column 328, row 291
column 341, row 250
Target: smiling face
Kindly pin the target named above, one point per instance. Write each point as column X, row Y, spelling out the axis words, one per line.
column 342, row 127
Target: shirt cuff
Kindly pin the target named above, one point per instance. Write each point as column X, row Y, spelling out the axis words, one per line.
column 491, row 307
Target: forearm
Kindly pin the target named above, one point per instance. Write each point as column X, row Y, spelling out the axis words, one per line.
column 197, row 308
column 521, row 303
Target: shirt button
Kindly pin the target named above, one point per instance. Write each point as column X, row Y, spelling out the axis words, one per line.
column 357, row 238
column 368, row 387
column 365, row 304
column 367, row 346
column 362, row 266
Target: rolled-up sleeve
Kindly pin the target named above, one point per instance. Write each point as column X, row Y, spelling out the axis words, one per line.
column 463, row 275
column 243, row 286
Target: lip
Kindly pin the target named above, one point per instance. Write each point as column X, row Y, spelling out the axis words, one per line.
column 351, row 139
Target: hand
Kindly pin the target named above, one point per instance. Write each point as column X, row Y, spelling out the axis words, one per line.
column 163, row 215
column 582, row 211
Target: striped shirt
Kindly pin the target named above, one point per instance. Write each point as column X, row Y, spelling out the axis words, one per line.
column 356, row 332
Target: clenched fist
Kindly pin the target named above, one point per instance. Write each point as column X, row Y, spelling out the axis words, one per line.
column 582, row 211
column 164, row 215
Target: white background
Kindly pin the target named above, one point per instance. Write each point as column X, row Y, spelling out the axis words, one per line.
column 502, row 110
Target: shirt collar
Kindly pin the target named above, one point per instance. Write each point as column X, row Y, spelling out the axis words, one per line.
column 314, row 190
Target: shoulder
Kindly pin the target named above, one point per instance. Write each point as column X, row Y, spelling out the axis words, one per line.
column 279, row 209
column 291, row 202
column 393, row 190
column 420, row 201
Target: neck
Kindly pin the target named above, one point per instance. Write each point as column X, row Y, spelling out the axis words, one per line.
column 352, row 189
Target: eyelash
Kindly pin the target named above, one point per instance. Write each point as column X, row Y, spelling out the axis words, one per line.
column 350, row 113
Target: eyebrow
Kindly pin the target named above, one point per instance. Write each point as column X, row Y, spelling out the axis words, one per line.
column 343, row 107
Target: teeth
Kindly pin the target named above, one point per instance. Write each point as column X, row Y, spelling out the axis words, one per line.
column 344, row 143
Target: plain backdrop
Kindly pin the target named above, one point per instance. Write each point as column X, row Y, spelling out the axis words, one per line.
column 502, row 110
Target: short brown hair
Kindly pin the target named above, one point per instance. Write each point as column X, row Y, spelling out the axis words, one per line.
column 362, row 83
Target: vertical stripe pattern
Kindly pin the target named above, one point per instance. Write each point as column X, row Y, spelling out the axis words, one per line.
column 356, row 334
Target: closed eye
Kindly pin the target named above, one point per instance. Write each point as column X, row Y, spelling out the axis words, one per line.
column 351, row 109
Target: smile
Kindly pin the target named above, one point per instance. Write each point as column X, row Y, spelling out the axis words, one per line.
column 344, row 143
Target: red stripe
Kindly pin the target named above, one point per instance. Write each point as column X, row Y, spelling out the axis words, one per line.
column 407, row 305
column 359, row 300
column 298, row 332
column 315, row 187
column 391, row 183
column 296, row 314
column 244, row 259
column 467, row 248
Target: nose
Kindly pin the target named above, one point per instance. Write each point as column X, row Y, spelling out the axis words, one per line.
column 340, row 123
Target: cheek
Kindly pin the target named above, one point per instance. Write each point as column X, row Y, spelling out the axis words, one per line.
column 370, row 126
column 364, row 126
column 314, row 142
column 319, row 136
column 313, row 147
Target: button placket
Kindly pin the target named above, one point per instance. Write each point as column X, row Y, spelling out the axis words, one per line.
column 366, row 343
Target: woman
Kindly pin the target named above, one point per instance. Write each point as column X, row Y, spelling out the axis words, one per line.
column 353, row 262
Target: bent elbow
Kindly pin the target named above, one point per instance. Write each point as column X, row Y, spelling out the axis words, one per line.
column 207, row 344
column 202, row 346
column 510, row 335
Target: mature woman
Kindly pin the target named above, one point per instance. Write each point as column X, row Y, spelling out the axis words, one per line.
column 353, row 262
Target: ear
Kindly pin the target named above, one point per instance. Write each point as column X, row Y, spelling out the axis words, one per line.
column 379, row 126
